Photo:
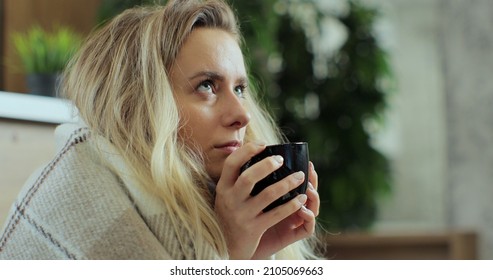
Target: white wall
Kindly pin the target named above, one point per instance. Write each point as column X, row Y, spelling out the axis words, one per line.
column 467, row 48
column 415, row 134
column 441, row 117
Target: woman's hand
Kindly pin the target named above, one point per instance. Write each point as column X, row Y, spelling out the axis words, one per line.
column 251, row 233
column 297, row 226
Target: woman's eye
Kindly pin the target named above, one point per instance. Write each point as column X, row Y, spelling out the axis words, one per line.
column 206, row 86
column 240, row 91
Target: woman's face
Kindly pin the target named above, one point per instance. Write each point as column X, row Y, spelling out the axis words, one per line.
column 209, row 82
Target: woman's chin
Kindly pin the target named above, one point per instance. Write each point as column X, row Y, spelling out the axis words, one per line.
column 214, row 173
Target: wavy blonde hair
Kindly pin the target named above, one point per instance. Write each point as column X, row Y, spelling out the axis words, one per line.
column 119, row 83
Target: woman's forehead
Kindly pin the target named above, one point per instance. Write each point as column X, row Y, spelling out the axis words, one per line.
column 210, row 49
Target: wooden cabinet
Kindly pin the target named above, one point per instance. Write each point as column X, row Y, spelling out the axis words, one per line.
column 419, row 246
column 24, row 147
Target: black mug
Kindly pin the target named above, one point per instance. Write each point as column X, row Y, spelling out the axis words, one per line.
column 295, row 159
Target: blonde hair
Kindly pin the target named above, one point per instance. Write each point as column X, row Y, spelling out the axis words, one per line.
column 119, row 83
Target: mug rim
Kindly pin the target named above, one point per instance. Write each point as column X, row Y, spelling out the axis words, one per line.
column 288, row 143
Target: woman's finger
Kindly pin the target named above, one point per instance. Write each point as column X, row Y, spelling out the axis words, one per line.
column 308, row 226
column 281, row 212
column 312, row 175
column 233, row 163
column 276, row 191
column 256, row 173
column 313, row 202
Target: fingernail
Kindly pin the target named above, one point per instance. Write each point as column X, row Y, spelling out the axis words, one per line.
column 278, row 159
column 299, row 175
column 302, row 198
column 311, row 186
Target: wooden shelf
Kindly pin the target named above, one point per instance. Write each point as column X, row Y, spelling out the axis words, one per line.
column 422, row 246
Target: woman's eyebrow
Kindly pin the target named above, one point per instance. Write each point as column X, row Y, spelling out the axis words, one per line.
column 242, row 80
column 210, row 74
column 215, row 76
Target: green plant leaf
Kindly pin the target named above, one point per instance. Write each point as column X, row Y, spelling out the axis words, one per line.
column 46, row 52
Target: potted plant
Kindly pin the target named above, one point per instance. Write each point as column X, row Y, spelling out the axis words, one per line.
column 44, row 55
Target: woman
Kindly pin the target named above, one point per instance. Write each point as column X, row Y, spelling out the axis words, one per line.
column 153, row 170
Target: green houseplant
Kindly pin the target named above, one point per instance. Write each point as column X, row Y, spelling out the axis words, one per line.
column 44, row 55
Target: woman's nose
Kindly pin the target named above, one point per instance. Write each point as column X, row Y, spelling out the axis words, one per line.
column 235, row 113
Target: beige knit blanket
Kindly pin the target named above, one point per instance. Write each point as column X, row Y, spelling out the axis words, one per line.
column 78, row 208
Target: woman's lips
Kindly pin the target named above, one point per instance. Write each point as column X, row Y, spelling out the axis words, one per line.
column 228, row 147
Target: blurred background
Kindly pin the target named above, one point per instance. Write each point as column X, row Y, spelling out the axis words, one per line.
column 394, row 98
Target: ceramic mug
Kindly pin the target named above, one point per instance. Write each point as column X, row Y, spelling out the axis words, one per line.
column 295, row 159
